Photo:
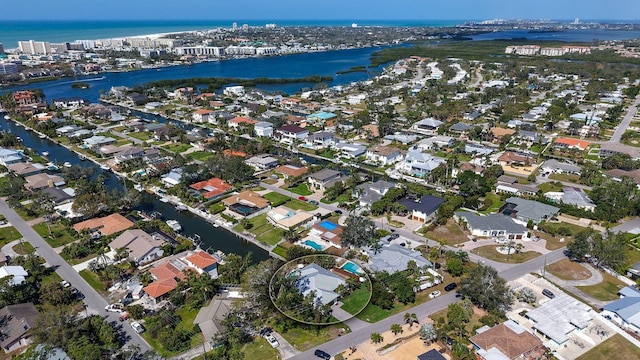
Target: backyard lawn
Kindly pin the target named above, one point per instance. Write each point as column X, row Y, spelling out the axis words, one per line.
column 280, row 250
column 60, row 234
column 8, row 234
column 259, row 224
column 490, row 252
column 616, row 347
column 301, row 189
column 200, row 155
column 142, row 135
column 271, row 237
column 494, row 202
column 178, row 148
column 296, row 204
column 607, row 290
column 356, row 301
column 276, row 199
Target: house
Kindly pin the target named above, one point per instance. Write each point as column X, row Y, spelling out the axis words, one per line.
column 291, row 170
column 15, row 327
column 166, row 275
column 508, row 340
column 383, row 155
column 428, row 126
column 286, row 218
column 554, row 166
column 211, row 318
column 41, row 181
column 263, row 129
column 402, row 138
column 462, row 128
column 432, row 354
column 142, row 247
column 349, row 150
column 624, row 312
column 327, row 234
column 67, row 129
column 557, row 318
column 324, row 178
column 172, row 178
column 262, row 162
column 245, row 203
column 202, row 115
column 202, row 262
column 572, row 196
column 59, row 196
column 322, row 283
column 106, row 226
column 127, row 153
column 509, row 158
column 423, row 209
column 629, row 291
column 492, row 225
column 418, row 164
column 18, row 274
column 241, row 120
column 435, row 142
column 10, row 156
column 321, row 119
column 291, row 133
column 516, row 189
column 618, row 174
column 478, row 149
column 523, row 211
column 393, row 258
column 370, row 192
column 569, row 143
column 211, row 188
column 26, row 169
column 319, row 140
column 97, row 141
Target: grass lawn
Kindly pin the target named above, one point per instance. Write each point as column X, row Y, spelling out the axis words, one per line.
column 258, row 223
column 495, row 205
column 200, row 155
column 449, row 234
column 566, row 269
column 304, row 338
column 296, row 204
column 143, row 135
column 8, row 234
column 357, row 300
column 23, row 249
column 490, row 252
column 93, row 280
column 301, row 189
column 276, row 199
column 271, row 237
column 259, row 348
column 280, row 250
column 60, row 234
column 553, row 243
column 178, row 148
column 616, row 347
column 217, row 207
column 546, row 187
column 340, row 199
column 607, row 290
column 565, row 177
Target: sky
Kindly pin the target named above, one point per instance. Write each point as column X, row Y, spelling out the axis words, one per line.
column 351, row 10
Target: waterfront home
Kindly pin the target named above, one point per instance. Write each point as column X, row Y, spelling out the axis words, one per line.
column 127, row 153
column 393, row 258
column 287, row 219
column 572, row 196
column 290, row 134
column 349, row 150
column 422, row 209
column 263, row 129
column 141, row 247
column 321, row 119
column 233, row 90
column 16, row 329
column 383, row 155
column 324, row 178
column 212, row 188
column 59, row 196
column 291, row 170
column 166, row 276
column 523, row 211
column 202, row 115
column 428, row 126
column 418, row 164
column 508, row 340
column 239, row 121
column 370, row 192
column 202, row 263
column 24, row 98
column 492, row 225
column 262, row 162
column 245, row 203
column 26, row 169
column 67, row 130
column 41, row 181
column 105, row 226
column 10, row 156
column 69, row 103
column 97, row 141
column 326, row 233
column 319, row 140
column 322, row 283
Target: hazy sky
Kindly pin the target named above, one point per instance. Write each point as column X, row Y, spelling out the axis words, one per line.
column 318, row 9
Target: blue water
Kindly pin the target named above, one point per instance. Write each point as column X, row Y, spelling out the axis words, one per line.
column 313, row 244
column 328, row 225
column 568, row 35
column 352, row 268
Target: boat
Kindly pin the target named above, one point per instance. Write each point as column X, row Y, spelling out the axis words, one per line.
column 164, row 200
column 45, row 153
column 156, row 215
column 181, row 207
column 105, row 167
column 138, row 187
column 82, row 157
column 174, row 225
column 219, row 256
column 67, row 164
column 19, row 138
column 42, row 136
column 52, row 167
column 7, row 117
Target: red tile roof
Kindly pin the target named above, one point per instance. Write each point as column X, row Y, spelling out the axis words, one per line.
column 243, row 120
column 212, row 187
column 573, row 143
column 203, row 112
column 161, row 287
column 167, row 271
column 107, row 225
column 201, row 259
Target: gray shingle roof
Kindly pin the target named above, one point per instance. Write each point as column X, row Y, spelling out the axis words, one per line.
column 532, row 210
column 491, row 222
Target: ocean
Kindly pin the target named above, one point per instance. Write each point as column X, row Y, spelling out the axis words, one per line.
column 67, row 31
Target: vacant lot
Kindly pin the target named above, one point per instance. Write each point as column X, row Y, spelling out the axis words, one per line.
column 490, row 252
column 615, row 347
column 607, row 290
column 566, row 269
column 449, row 234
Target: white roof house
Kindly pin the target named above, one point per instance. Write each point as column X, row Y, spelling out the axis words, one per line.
column 321, row 281
column 18, row 272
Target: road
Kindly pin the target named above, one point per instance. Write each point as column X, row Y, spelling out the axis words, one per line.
column 624, row 124
column 94, row 301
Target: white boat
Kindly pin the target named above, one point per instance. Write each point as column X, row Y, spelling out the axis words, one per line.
column 138, row 187
column 19, row 138
column 45, row 153
column 67, row 164
column 52, row 167
column 105, row 167
column 164, row 200
column 7, row 117
column 42, row 136
column 174, row 225
column 82, row 157
column 181, row 207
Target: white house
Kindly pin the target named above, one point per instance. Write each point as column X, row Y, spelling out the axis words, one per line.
column 289, row 134
column 428, row 126
column 18, row 273
column 233, row 91
column 492, row 225
column 383, row 155
column 349, row 150
column 319, row 140
column 263, row 129
column 418, row 164
column 202, row 115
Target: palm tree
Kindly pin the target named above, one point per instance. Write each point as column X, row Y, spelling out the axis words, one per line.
column 376, row 338
column 410, row 318
column 396, row 329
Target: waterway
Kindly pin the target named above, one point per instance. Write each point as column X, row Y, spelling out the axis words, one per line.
column 212, row 237
column 586, row 35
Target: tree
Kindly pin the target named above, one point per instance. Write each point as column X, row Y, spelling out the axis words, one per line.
column 457, row 319
column 376, row 338
column 358, row 231
column 527, row 295
column 486, row 289
column 234, row 267
column 396, row 329
column 410, row 318
column 455, row 267
column 428, row 333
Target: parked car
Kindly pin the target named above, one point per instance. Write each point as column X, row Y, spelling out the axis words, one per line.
column 322, row 354
column 450, row 287
column 394, row 236
column 272, row 341
column 77, row 293
column 115, row 307
column 313, row 202
column 434, row 294
column 339, row 212
column 124, row 316
column 137, row 327
column 65, row 283
column 302, row 198
column 548, row 293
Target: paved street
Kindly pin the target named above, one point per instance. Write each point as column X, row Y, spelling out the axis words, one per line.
column 624, row 124
column 93, row 300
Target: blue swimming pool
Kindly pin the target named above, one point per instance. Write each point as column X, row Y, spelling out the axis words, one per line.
column 313, row 244
column 352, row 268
column 328, row 225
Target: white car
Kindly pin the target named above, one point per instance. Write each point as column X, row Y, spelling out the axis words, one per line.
column 434, row 294
column 119, row 308
column 65, row 283
column 137, row 327
column 272, row 341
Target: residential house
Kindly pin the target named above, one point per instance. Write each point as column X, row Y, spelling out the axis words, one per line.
column 516, row 189
column 569, row 143
column 166, row 275
column 262, row 162
column 572, row 196
column 172, row 178
column 383, row 155
column 18, row 274
column 67, row 129
column 211, row 318
column 428, row 126
column 263, row 129
column 319, row 140
column 418, row 164
column 97, row 141
column 492, row 225
column 202, row 262
column 18, row 320
column 321, row 119
column 523, row 211
column 432, row 354
column 624, row 312
column 127, row 153
column 142, row 247
column 618, row 174
column 508, row 340
column 212, row 188
column 290, row 134
column 554, row 166
column 69, row 103
column 236, row 122
column 461, row 128
column 202, row 115
column 287, row 219
column 349, row 150
column 319, row 281
column 291, row 170
column 24, row 98
column 245, row 203
column 435, row 142
column 41, row 181
column 393, row 258
column 106, row 226
column 26, row 169
column 557, row 318
column 324, row 178
column 477, row 149
column 10, row 156
column 510, row 158
column 370, row 192
column 529, row 138
column 402, row 138
column 422, row 209
column 59, row 196
column 326, row 234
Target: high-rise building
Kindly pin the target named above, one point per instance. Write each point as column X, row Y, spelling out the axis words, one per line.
column 1, row 49
column 34, row 47
column 8, row 68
